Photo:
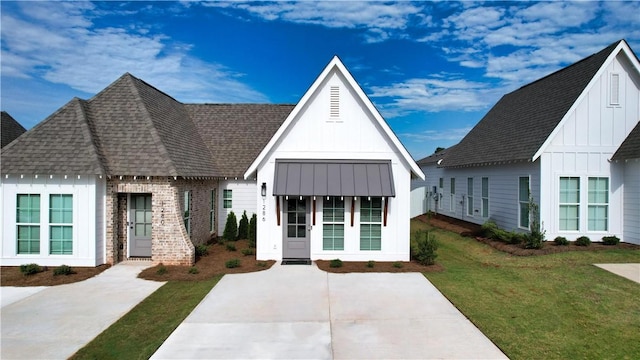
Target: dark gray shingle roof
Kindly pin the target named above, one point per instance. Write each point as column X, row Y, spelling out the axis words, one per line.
column 10, row 129
column 236, row 133
column 517, row 126
column 630, row 147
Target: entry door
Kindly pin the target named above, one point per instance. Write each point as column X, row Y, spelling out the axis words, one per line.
column 296, row 230
column 140, row 225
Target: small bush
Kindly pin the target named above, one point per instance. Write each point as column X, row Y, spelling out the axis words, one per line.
column 490, row 230
column 233, row 263
column 583, row 241
column 534, row 240
column 610, row 240
column 230, row 227
column 230, row 247
column 30, row 269
column 371, row 263
column 424, row 249
column 397, row 265
column 202, row 250
column 247, row 252
column 335, row 263
column 193, row 270
column 243, row 226
column 561, row 240
column 63, row 270
column 162, row 270
column 253, row 223
column 261, row 264
column 516, row 238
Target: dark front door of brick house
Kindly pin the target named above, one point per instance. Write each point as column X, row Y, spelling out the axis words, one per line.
column 140, row 225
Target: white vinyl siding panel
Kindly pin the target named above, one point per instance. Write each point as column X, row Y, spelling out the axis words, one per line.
column 244, row 199
column 631, row 232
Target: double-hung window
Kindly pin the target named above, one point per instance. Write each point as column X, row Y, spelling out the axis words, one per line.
column 523, row 202
column 187, row 211
column 371, row 223
column 485, row 197
column 227, row 196
column 333, row 223
column 440, row 185
column 212, row 210
column 470, row 196
column 598, row 218
column 569, row 203
column 28, row 223
column 61, row 224
column 452, row 196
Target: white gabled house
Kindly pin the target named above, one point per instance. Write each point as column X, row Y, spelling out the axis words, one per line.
column 333, row 181
column 571, row 140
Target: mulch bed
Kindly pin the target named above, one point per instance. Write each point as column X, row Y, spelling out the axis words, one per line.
column 11, row 276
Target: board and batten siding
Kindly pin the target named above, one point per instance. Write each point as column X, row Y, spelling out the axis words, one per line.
column 88, row 241
column 632, row 201
column 243, row 199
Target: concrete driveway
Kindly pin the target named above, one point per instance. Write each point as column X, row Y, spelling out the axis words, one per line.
column 300, row 312
column 55, row 322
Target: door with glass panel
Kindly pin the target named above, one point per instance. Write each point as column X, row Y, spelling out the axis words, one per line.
column 140, row 225
column 296, row 229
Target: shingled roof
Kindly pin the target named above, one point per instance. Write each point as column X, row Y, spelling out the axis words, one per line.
column 131, row 128
column 10, row 129
column 518, row 125
column 630, row 147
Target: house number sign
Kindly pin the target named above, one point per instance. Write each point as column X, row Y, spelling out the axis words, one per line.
column 264, row 211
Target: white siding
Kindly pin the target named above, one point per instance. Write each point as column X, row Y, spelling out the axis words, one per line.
column 243, row 199
column 632, row 202
column 86, row 218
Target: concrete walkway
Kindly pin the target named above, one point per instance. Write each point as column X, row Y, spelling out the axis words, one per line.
column 300, row 312
column 629, row 271
column 55, row 322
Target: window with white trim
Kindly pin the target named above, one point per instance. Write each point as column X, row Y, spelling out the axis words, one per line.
column 598, row 208
column 371, row 223
column 569, row 203
column 28, row 223
column 187, row 211
column 212, row 210
column 441, row 186
column 470, row 196
column 485, row 197
column 61, row 224
column 227, row 196
column 614, row 89
column 333, row 223
column 452, row 196
column 523, row 202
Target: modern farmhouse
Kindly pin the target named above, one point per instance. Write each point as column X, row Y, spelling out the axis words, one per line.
column 570, row 140
column 134, row 173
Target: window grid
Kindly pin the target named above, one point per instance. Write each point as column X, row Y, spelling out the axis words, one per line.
column 28, row 223
column 61, row 224
column 470, row 196
column 333, row 223
column 523, row 201
column 598, row 208
column 227, row 199
column 485, row 197
column 569, row 203
column 371, row 223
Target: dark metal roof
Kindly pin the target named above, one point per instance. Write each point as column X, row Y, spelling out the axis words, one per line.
column 518, row 125
column 333, row 178
column 630, row 147
column 10, row 129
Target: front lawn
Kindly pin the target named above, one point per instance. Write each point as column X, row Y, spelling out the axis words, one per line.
column 542, row 307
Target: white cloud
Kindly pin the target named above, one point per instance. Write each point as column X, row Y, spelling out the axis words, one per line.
column 87, row 58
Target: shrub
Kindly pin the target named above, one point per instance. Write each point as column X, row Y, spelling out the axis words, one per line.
column 490, row 230
column 253, row 223
column 193, row 270
column 516, row 238
column 63, row 270
column 230, row 247
column 371, row 263
column 397, row 265
column 233, row 263
column 247, row 252
column 162, row 270
column 230, row 227
column 610, row 240
column 424, row 249
column 534, row 240
column 561, row 240
column 243, row 227
column 583, row 241
column 30, row 269
column 335, row 263
column 202, row 250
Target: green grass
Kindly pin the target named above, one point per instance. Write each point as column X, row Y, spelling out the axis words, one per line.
column 140, row 332
column 556, row 306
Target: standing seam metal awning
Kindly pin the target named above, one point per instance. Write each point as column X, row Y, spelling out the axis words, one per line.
column 333, row 178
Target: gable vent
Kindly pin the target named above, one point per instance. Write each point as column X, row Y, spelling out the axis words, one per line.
column 334, row 102
column 615, row 89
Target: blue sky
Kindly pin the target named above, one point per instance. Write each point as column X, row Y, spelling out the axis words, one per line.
column 433, row 69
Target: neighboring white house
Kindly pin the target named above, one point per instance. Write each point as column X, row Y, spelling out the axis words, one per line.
column 567, row 139
column 333, row 182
